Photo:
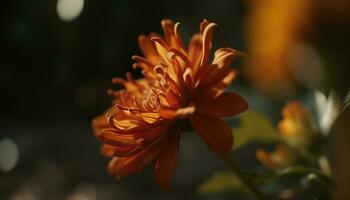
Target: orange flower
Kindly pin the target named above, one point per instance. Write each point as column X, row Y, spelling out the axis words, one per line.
column 281, row 158
column 297, row 130
column 179, row 84
column 297, row 127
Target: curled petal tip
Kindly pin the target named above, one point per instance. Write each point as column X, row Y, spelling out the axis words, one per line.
column 158, row 40
column 155, row 38
column 141, row 39
column 166, row 21
column 110, row 92
column 117, row 81
column 242, row 54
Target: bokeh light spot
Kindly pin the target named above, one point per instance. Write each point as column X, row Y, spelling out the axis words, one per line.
column 8, row 155
column 69, row 10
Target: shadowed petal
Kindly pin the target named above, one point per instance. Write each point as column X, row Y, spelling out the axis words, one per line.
column 166, row 163
column 225, row 105
column 99, row 123
column 225, row 82
column 121, row 151
column 213, row 75
column 107, row 150
column 121, row 167
column 124, row 166
column 214, row 131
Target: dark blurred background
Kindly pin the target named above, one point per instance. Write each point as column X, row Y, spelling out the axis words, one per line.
column 56, row 62
column 55, row 68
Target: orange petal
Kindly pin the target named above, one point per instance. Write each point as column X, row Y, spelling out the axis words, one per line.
column 107, row 150
column 225, row 56
column 99, row 123
column 166, row 163
column 214, row 131
column 180, row 46
column 279, row 159
column 206, row 42
column 225, row 82
column 171, row 34
column 121, row 151
column 124, row 124
column 173, row 97
column 219, row 70
column 162, row 49
column 180, row 113
column 266, row 159
column 111, row 137
column 195, row 51
column 167, row 113
column 121, row 167
column 181, row 58
column 153, row 133
column 213, row 75
column 168, row 30
column 125, row 166
column 143, row 63
column 146, row 132
column 150, row 117
column 148, row 49
column 225, row 105
column 203, row 24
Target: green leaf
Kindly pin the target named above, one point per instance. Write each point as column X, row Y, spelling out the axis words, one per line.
column 221, row 181
column 254, row 127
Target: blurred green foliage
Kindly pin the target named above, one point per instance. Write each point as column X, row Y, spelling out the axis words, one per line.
column 254, row 126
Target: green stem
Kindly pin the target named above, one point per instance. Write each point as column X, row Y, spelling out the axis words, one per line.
column 249, row 186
